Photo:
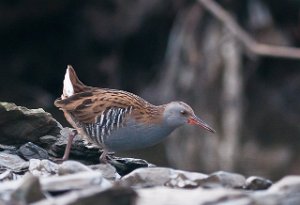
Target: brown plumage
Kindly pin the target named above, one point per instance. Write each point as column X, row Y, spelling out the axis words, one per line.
column 118, row 120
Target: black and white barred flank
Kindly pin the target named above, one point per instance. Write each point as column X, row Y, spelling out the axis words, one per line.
column 109, row 120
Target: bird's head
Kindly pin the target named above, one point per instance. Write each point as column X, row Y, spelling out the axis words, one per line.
column 179, row 113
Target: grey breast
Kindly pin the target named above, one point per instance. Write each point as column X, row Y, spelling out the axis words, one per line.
column 136, row 136
column 114, row 133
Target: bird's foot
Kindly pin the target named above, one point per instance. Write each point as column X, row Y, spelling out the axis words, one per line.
column 106, row 157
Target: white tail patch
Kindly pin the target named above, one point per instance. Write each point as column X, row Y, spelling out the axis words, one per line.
column 68, row 89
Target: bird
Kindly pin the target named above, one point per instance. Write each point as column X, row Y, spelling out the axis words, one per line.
column 116, row 120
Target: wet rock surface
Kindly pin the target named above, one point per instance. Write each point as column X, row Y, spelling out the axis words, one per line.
column 30, row 175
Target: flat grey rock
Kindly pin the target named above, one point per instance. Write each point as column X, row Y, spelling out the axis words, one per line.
column 159, row 176
column 108, row 171
column 72, row 167
column 9, row 175
column 198, row 196
column 95, row 195
column 76, row 181
column 225, row 179
column 12, row 162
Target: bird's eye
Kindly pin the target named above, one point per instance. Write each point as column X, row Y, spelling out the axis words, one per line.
column 183, row 112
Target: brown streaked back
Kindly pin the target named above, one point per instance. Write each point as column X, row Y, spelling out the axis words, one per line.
column 86, row 106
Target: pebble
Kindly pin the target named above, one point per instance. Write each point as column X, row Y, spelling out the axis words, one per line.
column 257, row 183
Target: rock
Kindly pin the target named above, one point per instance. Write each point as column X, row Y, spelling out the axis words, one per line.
column 28, row 192
column 159, row 176
column 9, row 175
column 127, row 165
column 19, row 125
column 288, row 184
column 31, row 151
column 198, row 196
column 257, row 183
column 108, row 171
column 224, row 179
column 81, row 184
column 7, row 187
column 148, row 177
column 71, row 167
column 94, row 195
column 286, row 192
column 10, row 149
column 184, row 179
column 81, row 180
column 60, row 184
column 43, row 167
column 266, row 198
column 48, row 139
column 12, row 162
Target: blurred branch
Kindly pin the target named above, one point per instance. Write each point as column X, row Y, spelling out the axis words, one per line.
column 245, row 38
column 232, row 102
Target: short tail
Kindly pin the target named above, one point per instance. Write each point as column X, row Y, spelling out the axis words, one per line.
column 72, row 84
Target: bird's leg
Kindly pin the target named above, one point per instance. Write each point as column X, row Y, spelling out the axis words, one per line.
column 69, row 145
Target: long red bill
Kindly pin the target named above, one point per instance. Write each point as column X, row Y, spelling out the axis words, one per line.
column 197, row 121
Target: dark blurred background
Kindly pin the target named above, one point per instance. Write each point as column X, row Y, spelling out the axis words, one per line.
column 162, row 51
